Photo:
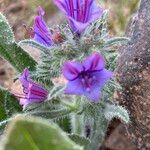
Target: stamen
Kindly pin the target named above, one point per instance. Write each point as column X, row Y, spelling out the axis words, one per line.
column 88, row 89
column 94, row 77
column 90, row 80
column 86, row 77
column 83, row 80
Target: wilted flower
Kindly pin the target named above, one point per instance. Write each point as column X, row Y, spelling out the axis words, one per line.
column 80, row 13
column 41, row 31
column 32, row 92
column 87, row 78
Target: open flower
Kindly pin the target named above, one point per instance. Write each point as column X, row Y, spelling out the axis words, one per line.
column 87, row 78
column 80, row 13
column 32, row 92
column 41, row 31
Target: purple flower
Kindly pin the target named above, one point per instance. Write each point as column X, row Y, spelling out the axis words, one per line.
column 32, row 92
column 41, row 31
column 80, row 13
column 87, row 78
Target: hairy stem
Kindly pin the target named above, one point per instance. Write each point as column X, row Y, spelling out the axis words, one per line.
column 98, row 134
column 77, row 124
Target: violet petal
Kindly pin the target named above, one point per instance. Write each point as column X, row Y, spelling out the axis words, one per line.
column 74, row 87
column 71, row 69
column 94, row 62
column 42, row 33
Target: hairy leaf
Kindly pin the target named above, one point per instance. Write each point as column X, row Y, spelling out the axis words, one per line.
column 115, row 111
column 2, row 102
column 3, row 124
column 116, row 41
column 6, row 34
column 34, row 134
column 11, row 104
column 51, row 114
column 11, row 51
column 34, row 44
column 17, row 57
column 80, row 140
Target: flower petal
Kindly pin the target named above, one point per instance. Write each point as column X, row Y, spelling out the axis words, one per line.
column 102, row 77
column 24, row 78
column 41, row 12
column 94, row 62
column 80, row 13
column 76, row 26
column 71, row 69
column 42, row 33
column 24, row 102
column 74, row 87
column 95, row 12
column 36, row 93
column 62, row 5
column 93, row 95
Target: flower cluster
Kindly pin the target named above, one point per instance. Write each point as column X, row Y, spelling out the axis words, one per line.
column 80, row 13
column 86, row 78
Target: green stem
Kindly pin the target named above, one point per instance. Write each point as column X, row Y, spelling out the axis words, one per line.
column 99, row 131
column 77, row 120
column 77, row 124
column 72, row 107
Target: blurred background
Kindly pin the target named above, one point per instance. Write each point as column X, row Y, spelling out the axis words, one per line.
column 20, row 13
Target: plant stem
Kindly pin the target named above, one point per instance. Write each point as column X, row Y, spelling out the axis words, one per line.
column 99, row 131
column 77, row 120
column 77, row 124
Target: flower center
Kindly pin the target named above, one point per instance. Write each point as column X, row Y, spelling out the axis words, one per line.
column 87, row 80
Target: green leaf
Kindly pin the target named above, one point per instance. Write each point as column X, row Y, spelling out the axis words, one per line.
column 2, row 102
column 46, row 105
column 36, row 134
column 34, row 44
column 11, row 51
column 80, row 140
column 115, row 111
column 51, row 114
column 6, row 34
column 56, row 91
column 11, row 104
column 115, row 41
column 8, row 106
column 3, row 125
column 17, row 57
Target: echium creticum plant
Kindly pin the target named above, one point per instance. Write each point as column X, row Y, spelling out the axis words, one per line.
column 73, row 83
